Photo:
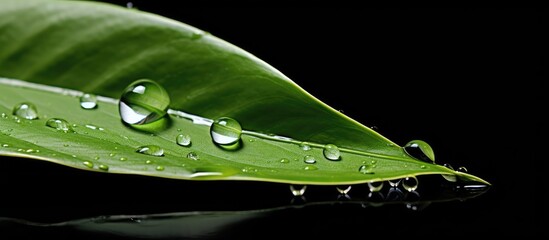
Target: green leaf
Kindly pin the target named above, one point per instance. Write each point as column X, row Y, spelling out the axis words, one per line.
column 100, row 48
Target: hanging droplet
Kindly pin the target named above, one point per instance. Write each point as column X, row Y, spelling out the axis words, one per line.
column 193, row 156
column 25, row 110
column 366, row 169
column 143, row 102
column 309, row 159
column 88, row 101
column 305, row 146
column 462, row 169
column 183, row 140
column 225, row 132
column 331, row 152
column 59, row 124
column 344, row 189
column 394, row 182
column 298, row 190
column 375, row 186
column 410, row 183
column 284, row 160
column 420, row 150
column 88, row 164
column 152, row 150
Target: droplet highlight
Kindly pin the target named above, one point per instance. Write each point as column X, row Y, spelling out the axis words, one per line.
column 331, row 152
column 420, row 150
column 143, row 102
column 25, row 110
column 59, row 124
column 226, row 132
column 88, row 101
column 152, row 150
column 344, row 189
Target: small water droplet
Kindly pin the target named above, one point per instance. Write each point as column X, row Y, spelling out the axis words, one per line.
column 59, row 124
column 344, row 189
column 193, row 156
column 123, row 159
column 305, row 146
column 309, row 159
column 331, row 152
column 310, row 168
column 423, row 166
column 410, row 183
column 159, row 168
column 366, row 169
column 394, row 182
column 143, row 102
column 251, row 140
column 112, row 154
column 65, row 144
column 88, row 101
column 25, row 110
column 148, row 162
column 91, row 126
column 183, row 140
column 30, row 150
column 73, row 156
column 249, row 170
column 5, row 145
column 96, row 158
column 225, row 132
column 179, row 129
column 298, row 190
column 420, row 150
column 104, row 167
column 284, row 160
column 375, row 186
column 152, row 150
column 448, row 166
column 4, row 115
column 88, row 164
column 462, row 169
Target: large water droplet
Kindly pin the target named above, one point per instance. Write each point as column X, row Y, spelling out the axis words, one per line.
column 88, row 164
column 420, row 150
column 309, row 159
column 183, row 140
column 394, row 182
column 226, row 133
column 104, row 167
column 59, row 124
column 143, row 102
column 88, row 101
column 410, row 183
column 152, row 150
column 298, row 190
column 331, row 152
column 375, row 186
column 25, row 110
column 366, row 169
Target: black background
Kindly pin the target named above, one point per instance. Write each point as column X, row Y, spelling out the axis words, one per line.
column 467, row 81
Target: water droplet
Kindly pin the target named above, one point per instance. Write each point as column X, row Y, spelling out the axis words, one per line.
column 462, row 169
column 394, row 182
column 88, row 164
column 310, row 168
column 159, row 168
column 226, row 133
column 284, row 160
column 344, row 189
column 249, row 170
column 331, row 152
column 4, row 115
column 366, row 169
column 179, row 129
column 298, row 190
column 112, row 154
column 183, row 140
column 91, row 126
column 152, row 150
column 420, row 150
column 305, row 146
column 448, row 166
column 104, row 167
column 65, row 144
column 5, row 145
column 143, row 102
column 25, row 110
column 375, row 186
column 309, row 159
column 73, row 156
column 148, row 162
column 423, row 166
column 123, row 159
column 59, row 124
column 96, row 158
column 410, row 183
column 193, row 156
column 30, row 150
column 88, row 101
